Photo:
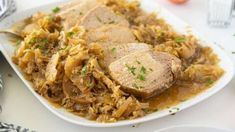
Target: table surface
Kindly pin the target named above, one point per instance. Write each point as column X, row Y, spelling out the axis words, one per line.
column 22, row 108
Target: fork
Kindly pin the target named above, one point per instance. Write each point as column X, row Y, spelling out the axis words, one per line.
column 7, row 7
column 3, row 7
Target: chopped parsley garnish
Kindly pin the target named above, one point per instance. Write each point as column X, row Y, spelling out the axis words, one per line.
column 179, row 40
column 210, row 81
column 98, row 18
column 111, row 22
column 131, row 69
column 18, row 42
column 39, row 47
column 70, row 34
column 137, row 86
column 113, row 49
column 141, row 77
column 142, row 70
column 138, row 62
column 84, row 70
column 142, row 74
column 56, row 9
column 91, row 85
column 33, row 41
column 39, row 40
column 45, row 41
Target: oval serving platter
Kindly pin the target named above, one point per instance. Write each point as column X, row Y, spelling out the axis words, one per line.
column 8, row 49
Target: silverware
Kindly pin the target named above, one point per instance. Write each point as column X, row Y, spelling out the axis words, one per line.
column 5, row 127
column 15, row 30
column 11, row 32
column 7, row 7
column 3, row 7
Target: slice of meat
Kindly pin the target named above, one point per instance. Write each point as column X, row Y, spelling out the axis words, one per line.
column 73, row 15
column 145, row 73
column 111, row 34
column 102, row 15
column 115, row 52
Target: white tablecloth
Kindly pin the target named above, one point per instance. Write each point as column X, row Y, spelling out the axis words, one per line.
column 22, row 108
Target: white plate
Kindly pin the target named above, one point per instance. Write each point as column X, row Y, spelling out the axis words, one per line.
column 148, row 5
column 189, row 128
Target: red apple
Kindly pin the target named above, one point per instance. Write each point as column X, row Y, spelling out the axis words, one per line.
column 178, row 1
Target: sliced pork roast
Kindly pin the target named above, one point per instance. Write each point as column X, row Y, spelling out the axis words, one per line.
column 115, row 52
column 72, row 15
column 111, row 34
column 100, row 16
column 116, row 41
column 145, row 73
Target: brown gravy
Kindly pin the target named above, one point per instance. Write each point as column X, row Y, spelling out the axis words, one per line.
column 179, row 92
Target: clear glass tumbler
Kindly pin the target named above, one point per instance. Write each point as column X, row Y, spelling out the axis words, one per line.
column 220, row 12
